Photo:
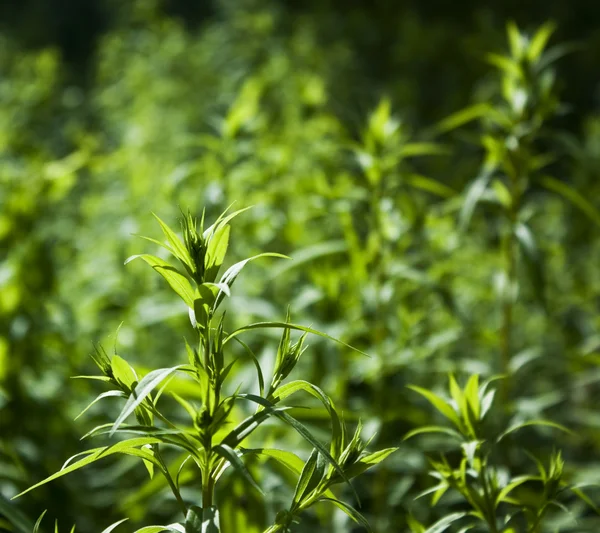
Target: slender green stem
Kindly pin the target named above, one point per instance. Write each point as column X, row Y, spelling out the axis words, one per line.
column 208, row 488
column 507, row 310
column 170, row 481
column 490, row 512
column 510, row 265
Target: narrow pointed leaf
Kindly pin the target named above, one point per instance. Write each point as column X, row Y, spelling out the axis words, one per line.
column 215, row 252
column 178, row 282
column 108, row 394
column 368, row 461
column 230, row 455
column 233, row 272
column 573, row 196
column 178, row 248
column 113, row 526
column 336, row 427
column 306, row 476
column 129, row 447
column 303, row 432
column 144, row 388
column 445, row 523
column 350, row 511
column 546, row 423
column 222, row 220
column 463, row 117
column 472, row 197
column 432, row 429
column 263, row 325
column 439, row 403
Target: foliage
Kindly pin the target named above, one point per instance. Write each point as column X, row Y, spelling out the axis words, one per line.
column 436, row 242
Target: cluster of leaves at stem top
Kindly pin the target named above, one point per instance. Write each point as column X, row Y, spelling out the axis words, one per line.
column 210, row 443
column 497, row 500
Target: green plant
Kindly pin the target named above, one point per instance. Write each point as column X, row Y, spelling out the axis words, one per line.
column 208, row 441
column 517, row 139
column 488, row 488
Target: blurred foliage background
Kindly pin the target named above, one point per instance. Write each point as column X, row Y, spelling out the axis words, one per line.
column 324, row 115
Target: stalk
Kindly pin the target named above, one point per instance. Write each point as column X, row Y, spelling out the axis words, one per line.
column 507, row 311
column 208, row 489
column 510, row 265
column 170, row 481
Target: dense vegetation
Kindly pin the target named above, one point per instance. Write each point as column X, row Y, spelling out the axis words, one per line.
column 436, row 188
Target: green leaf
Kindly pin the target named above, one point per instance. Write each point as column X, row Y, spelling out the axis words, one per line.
column 515, row 39
column 248, row 425
column 113, row 526
column 423, row 148
column 38, row 522
column 128, row 447
column 444, row 523
column 570, row 194
column 368, row 461
column 505, row 64
column 533, row 261
column 230, row 455
column 304, row 433
column 471, row 395
column 122, row 371
column 546, row 423
column 540, row 40
column 415, row 525
column 576, row 489
column 288, row 459
column 502, row 193
column 193, row 520
column 143, row 389
column 472, row 197
column 432, row 429
column 514, row 483
column 463, row 117
column 336, row 427
column 440, row 404
column 178, row 282
column 202, row 520
column 424, row 183
column 256, row 362
column 350, row 511
column 215, row 252
column 233, row 272
column 174, row 528
column 178, row 249
column 222, row 220
column 108, row 394
column 457, row 395
column 263, row 325
column 311, row 475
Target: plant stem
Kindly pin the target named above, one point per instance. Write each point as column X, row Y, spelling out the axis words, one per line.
column 170, row 481
column 510, row 265
column 207, row 492
column 490, row 512
column 507, row 310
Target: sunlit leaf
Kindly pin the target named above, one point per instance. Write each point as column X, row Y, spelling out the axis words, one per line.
column 350, row 511
column 113, row 526
column 127, row 447
column 573, row 196
column 542, row 423
column 230, row 455
column 178, row 248
column 178, row 282
column 146, row 385
column 439, row 403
